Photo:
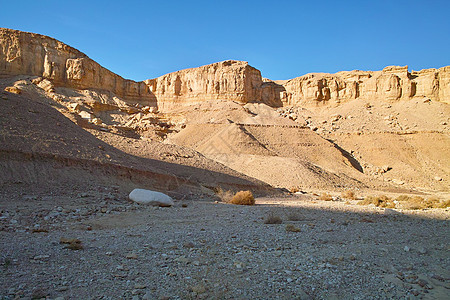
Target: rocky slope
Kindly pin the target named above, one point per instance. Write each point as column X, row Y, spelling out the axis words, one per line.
column 325, row 132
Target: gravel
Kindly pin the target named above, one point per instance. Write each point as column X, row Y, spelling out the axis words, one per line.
column 210, row 250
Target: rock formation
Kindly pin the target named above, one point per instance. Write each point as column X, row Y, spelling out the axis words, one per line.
column 392, row 83
column 227, row 80
column 23, row 53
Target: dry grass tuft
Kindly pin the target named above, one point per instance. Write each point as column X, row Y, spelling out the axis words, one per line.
column 72, row 244
column 294, row 189
column 325, row 197
column 405, row 202
column 348, row 195
column 225, row 196
column 416, row 202
column 379, row 201
column 243, row 198
column 292, row 228
column 293, row 216
column 273, row 219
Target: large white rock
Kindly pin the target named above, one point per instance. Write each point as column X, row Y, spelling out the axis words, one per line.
column 142, row 196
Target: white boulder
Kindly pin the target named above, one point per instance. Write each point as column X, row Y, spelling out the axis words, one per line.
column 142, row 196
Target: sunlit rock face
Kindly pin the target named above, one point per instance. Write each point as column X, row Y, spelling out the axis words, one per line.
column 23, row 53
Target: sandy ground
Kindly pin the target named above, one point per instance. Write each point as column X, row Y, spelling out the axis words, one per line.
column 202, row 249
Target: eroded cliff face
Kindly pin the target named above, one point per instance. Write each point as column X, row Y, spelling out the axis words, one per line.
column 23, row 53
column 227, row 80
column 392, row 83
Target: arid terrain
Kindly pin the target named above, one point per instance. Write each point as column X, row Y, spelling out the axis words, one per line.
column 76, row 139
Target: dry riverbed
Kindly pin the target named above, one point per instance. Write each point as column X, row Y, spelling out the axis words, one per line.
column 207, row 250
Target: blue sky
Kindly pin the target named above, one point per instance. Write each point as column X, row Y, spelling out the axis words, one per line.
column 284, row 39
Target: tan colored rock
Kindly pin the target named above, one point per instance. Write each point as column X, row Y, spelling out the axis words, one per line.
column 85, row 115
column 392, row 83
column 230, row 80
column 13, row 89
column 46, row 85
column 60, row 65
column 24, row 53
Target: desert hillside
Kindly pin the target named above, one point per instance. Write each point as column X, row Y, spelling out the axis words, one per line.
column 364, row 130
column 349, row 172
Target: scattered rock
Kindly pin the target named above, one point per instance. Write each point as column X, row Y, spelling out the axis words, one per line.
column 142, row 196
column 72, row 243
column 292, row 228
column 13, row 90
column 131, row 255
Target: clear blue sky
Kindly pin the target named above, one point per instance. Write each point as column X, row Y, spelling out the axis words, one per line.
column 284, row 39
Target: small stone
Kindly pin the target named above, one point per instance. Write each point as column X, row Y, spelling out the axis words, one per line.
column 406, row 248
column 422, row 283
column 422, row 250
column 38, row 293
column 13, row 89
column 41, row 257
column 199, row 289
column 437, row 178
column 139, row 286
column 132, row 255
column 189, row 245
column 109, row 253
column 278, row 253
column 183, row 259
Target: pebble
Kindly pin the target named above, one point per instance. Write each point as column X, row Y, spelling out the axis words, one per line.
column 132, row 255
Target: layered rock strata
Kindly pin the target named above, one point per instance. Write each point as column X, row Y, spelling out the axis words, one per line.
column 392, row 83
column 23, row 53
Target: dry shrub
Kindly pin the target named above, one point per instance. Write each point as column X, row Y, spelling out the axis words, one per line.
column 406, row 202
column 379, row 201
column 225, row 196
column 243, row 198
column 416, row 202
column 325, row 197
column 293, row 216
column 292, row 228
column 348, row 195
column 72, row 244
column 294, row 190
column 273, row 219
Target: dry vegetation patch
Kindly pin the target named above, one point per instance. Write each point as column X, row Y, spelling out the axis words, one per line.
column 273, row 219
column 325, row 197
column 240, row 198
column 348, row 195
column 292, row 228
column 225, row 196
column 405, row 202
column 243, row 198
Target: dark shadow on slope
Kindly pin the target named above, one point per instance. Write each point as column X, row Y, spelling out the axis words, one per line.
column 37, row 135
column 355, row 164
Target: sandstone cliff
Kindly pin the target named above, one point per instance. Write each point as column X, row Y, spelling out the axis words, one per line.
column 23, row 53
column 227, row 80
column 392, row 83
